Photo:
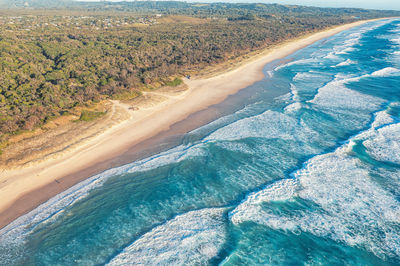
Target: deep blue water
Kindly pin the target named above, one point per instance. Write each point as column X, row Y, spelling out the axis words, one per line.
column 305, row 170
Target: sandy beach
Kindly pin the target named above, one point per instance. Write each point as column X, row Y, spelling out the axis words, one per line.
column 23, row 189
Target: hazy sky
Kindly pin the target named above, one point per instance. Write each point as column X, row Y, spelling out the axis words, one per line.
column 376, row 4
column 372, row 4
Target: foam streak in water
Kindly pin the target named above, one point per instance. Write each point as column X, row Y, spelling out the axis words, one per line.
column 188, row 239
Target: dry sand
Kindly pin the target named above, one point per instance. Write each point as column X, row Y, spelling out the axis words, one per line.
column 23, row 189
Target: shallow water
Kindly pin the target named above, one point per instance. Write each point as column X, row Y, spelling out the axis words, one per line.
column 305, row 170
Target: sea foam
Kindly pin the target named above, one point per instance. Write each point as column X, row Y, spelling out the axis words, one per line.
column 297, row 62
column 336, row 95
column 386, row 72
column 342, row 188
column 384, row 144
column 305, row 76
column 346, row 63
column 191, row 238
column 269, row 124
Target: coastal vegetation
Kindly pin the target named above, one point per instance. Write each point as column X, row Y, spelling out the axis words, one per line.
column 87, row 115
column 54, row 61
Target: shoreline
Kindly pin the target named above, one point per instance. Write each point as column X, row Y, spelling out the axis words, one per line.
column 23, row 189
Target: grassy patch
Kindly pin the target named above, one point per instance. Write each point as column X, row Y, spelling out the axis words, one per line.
column 174, row 83
column 181, row 19
column 3, row 145
column 128, row 95
column 90, row 115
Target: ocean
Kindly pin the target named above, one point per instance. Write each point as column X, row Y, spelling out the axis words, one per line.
column 304, row 169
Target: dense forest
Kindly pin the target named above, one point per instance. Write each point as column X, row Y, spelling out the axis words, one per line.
column 52, row 61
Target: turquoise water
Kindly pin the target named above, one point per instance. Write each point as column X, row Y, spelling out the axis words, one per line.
column 304, row 170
